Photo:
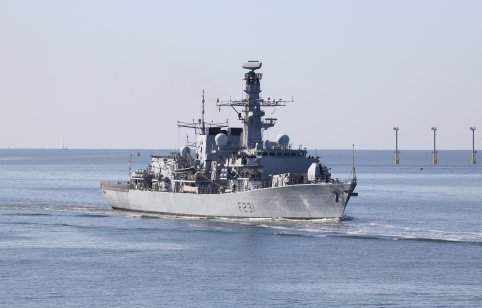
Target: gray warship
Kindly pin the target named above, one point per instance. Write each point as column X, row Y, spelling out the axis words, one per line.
column 234, row 173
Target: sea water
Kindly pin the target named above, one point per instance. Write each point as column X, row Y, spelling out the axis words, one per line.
column 412, row 238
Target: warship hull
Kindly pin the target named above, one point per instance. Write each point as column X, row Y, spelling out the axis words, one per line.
column 305, row 201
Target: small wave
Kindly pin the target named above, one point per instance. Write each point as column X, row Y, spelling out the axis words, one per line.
column 290, row 234
column 347, row 218
column 26, row 214
column 466, row 237
column 143, row 216
column 273, row 227
column 93, row 215
column 12, row 158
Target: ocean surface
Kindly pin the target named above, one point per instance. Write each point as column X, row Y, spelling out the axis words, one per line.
column 412, row 238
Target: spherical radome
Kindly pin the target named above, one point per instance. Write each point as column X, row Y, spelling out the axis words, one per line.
column 283, row 140
column 221, row 139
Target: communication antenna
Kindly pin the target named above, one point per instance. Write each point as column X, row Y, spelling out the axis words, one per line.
column 474, row 158
column 203, row 125
column 199, row 126
column 434, row 152
column 397, row 152
column 129, row 163
column 353, row 162
column 178, row 136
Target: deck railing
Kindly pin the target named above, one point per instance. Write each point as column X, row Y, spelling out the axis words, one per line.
column 125, row 186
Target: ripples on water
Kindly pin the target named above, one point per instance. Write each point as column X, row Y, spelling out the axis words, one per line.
column 411, row 238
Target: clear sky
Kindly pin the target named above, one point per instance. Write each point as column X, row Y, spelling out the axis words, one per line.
column 118, row 74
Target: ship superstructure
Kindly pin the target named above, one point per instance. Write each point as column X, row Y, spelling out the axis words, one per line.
column 234, row 172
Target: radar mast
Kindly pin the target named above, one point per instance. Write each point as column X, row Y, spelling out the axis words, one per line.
column 252, row 113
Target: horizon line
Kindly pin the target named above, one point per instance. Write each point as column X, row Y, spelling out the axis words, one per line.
column 309, row 149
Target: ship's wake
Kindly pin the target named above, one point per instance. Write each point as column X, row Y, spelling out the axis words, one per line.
column 348, row 227
column 376, row 232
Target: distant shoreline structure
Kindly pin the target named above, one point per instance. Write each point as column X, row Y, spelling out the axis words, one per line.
column 62, row 146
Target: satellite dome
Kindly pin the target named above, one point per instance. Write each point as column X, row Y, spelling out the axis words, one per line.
column 185, row 150
column 221, row 139
column 283, row 140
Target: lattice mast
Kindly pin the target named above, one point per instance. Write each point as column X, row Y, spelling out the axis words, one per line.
column 252, row 114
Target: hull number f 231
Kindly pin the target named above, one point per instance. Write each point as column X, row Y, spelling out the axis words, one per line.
column 246, row 207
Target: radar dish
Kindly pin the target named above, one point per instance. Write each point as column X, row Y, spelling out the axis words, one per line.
column 252, row 65
column 221, row 139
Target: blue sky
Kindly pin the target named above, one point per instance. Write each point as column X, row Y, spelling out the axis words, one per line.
column 119, row 74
